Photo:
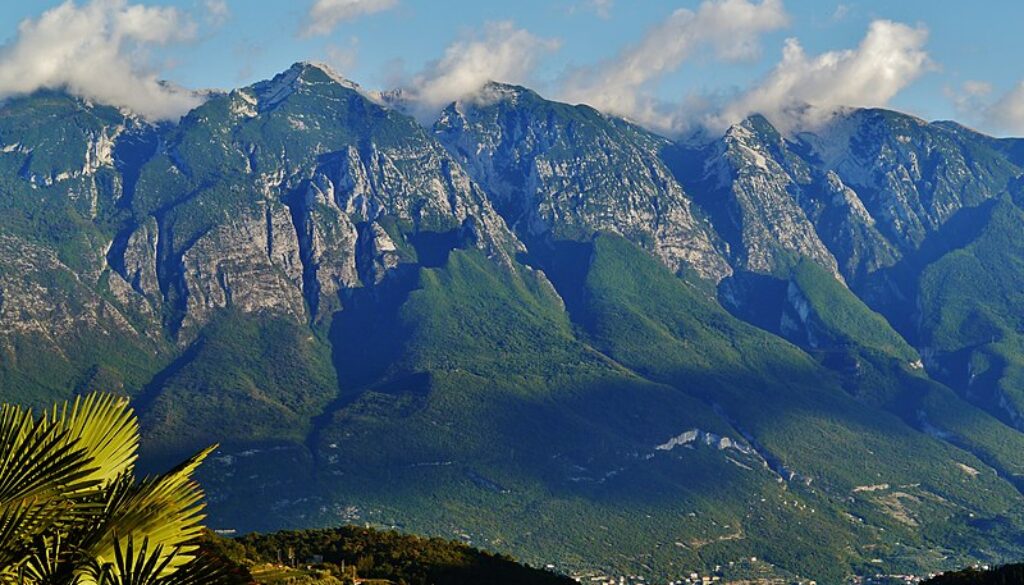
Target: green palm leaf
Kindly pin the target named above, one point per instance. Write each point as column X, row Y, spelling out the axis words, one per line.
column 71, row 511
column 23, row 522
column 45, row 481
column 204, row 570
column 165, row 511
column 105, row 426
column 131, row 567
column 16, row 529
column 51, row 561
column 39, row 459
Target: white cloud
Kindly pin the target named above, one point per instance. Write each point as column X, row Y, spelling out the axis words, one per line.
column 217, row 12
column 977, row 88
column 324, row 15
column 1004, row 116
column 97, row 51
column 976, row 102
column 970, row 99
column 730, row 28
column 890, row 57
column 503, row 53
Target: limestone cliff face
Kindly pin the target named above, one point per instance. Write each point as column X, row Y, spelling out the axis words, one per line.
column 45, row 297
column 417, row 187
column 911, row 176
column 251, row 262
column 139, row 260
column 275, row 198
column 61, row 178
column 281, row 196
column 327, row 238
column 285, row 197
column 900, row 180
column 855, row 194
column 562, row 172
column 261, row 199
column 751, row 187
column 847, row 228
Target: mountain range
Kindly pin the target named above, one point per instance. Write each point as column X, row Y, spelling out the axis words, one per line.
column 536, row 327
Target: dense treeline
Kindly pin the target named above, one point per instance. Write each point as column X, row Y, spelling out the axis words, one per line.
column 1006, row 575
column 391, row 556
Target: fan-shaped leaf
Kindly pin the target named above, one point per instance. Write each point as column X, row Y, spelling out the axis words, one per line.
column 131, row 566
column 51, row 561
column 39, row 460
column 71, row 511
column 105, row 426
column 165, row 511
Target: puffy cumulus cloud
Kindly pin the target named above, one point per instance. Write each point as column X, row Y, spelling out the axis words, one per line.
column 890, row 57
column 502, row 53
column 97, row 51
column 325, row 15
column 730, row 28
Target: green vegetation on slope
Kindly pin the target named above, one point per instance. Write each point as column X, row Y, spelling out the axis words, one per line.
column 840, row 318
column 670, row 331
column 245, row 380
column 640, row 428
column 347, row 552
column 967, row 295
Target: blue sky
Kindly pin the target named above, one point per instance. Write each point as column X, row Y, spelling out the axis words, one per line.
column 958, row 60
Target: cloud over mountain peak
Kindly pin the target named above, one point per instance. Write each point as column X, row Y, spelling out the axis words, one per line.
column 98, row 51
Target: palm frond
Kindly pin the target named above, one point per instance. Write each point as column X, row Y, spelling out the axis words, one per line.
column 22, row 522
column 205, row 570
column 106, row 427
column 38, row 459
column 165, row 511
column 51, row 561
column 143, row 566
column 12, row 575
column 72, row 513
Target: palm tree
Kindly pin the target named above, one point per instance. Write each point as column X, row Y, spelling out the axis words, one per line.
column 73, row 513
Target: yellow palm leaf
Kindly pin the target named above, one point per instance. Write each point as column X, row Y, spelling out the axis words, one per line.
column 38, row 459
column 106, row 427
column 165, row 511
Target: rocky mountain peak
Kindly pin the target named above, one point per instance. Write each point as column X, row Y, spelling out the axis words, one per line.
column 494, row 92
column 558, row 171
column 490, row 101
column 307, row 78
column 311, row 70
